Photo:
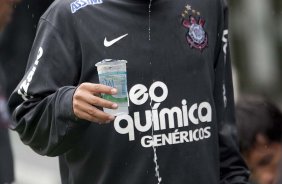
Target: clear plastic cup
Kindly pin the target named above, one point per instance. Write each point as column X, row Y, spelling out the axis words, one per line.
column 113, row 73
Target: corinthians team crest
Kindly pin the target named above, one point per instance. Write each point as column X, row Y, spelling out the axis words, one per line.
column 196, row 35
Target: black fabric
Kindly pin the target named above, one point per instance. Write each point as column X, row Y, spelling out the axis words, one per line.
column 180, row 127
column 6, row 157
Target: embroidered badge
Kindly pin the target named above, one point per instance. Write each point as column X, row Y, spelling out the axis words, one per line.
column 195, row 35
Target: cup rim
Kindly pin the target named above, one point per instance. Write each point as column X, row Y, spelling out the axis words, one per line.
column 110, row 62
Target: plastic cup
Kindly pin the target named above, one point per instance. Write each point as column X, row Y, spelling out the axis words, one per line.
column 113, row 73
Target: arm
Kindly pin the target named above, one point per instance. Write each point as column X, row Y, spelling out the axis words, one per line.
column 41, row 105
column 50, row 112
column 232, row 167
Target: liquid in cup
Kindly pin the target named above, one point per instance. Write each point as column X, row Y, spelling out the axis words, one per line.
column 113, row 73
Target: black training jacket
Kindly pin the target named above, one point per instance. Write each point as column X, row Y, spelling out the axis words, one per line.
column 180, row 128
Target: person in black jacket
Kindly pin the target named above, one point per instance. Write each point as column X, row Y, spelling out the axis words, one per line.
column 6, row 157
column 259, row 124
column 180, row 127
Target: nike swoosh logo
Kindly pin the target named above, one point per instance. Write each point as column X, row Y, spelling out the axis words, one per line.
column 110, row 43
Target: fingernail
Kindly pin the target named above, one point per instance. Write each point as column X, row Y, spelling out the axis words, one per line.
column 111, row 118
column 113, row 90
column 108, row 121
column 114, row 106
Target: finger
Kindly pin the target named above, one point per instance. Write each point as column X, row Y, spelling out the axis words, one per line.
column 100, row 102
column 86, row 116
column 100, row 88
column 94, row 112
column 93, row 100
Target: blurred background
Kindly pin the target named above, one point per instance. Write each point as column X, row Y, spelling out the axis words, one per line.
column 255, row 30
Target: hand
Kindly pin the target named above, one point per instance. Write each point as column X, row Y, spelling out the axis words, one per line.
column 86, row 101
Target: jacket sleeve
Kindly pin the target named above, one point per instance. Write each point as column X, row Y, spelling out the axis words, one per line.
column 232, row 167
column 41, row 105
